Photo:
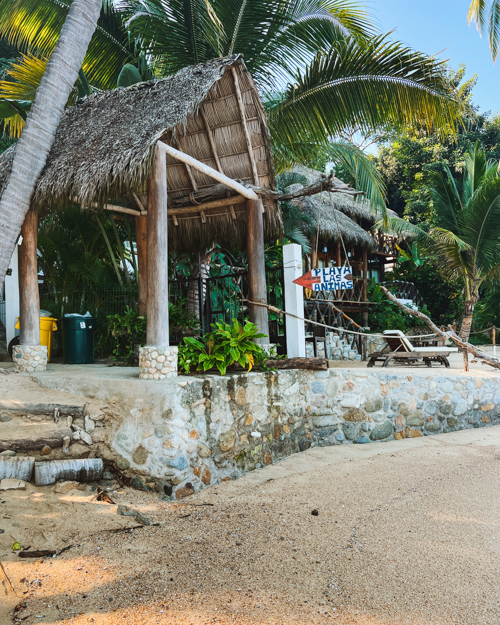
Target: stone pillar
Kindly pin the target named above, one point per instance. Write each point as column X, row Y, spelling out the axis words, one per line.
column 30, row 358
column 157, row 363
column 294, row 301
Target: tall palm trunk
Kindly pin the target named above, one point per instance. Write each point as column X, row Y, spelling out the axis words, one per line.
column 39, row 132
column 471, row 298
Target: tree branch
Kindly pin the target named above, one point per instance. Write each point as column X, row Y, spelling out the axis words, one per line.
column 488, row 360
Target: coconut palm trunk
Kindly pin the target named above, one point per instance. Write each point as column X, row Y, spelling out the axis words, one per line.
column 39, row 132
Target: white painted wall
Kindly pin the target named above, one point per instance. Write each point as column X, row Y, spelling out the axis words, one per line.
column 294, row 301
column 12, row 297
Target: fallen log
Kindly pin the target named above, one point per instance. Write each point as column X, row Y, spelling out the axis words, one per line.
column 52, row 439
column 16, row 468
column 75, row 470
column 472, row 349
column 317, row 364
column 13, row 405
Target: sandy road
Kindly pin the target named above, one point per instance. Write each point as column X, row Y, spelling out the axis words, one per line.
column 407, row 532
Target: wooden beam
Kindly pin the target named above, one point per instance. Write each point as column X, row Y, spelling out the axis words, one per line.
column 182, row 146
column 213, row 147
column 209, row 171
column 29, row 298
column 139, row 204
column 257, row 290
column 196, row 208
column 245, row 127
column 157, row 254
column 141, row 237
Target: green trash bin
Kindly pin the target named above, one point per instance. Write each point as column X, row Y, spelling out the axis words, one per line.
column 78, row 340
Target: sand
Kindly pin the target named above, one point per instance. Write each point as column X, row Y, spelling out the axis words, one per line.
column 406, row 532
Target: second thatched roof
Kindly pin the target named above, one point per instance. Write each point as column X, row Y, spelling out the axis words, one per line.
column 356, row 207
column 333, row 226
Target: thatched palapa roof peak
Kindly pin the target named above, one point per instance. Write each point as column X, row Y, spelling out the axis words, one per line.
column 357, row 207
column 104, row 148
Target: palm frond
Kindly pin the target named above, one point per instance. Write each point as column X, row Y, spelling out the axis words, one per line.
column 366, row 176
column 361, row 85
column 33, row 26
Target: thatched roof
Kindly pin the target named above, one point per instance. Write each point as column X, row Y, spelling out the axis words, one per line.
column 104, row 147
column 356, row 207
column 333, row 226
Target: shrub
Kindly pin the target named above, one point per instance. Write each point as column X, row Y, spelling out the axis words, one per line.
column 224, row 346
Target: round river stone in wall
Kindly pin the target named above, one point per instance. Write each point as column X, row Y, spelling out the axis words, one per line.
column 140, row 455
column 355, row 414
column 381, row 431
column 350, row 431
column 415, row 418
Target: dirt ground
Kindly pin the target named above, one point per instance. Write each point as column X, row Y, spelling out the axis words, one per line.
column 406, row 532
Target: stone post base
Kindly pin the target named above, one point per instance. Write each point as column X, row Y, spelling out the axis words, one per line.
column 157, row 363
column 30, row 358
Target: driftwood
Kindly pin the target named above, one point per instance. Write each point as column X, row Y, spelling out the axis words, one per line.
column 39, row 408
column 317, row 364
column 82, row 470
column 44, row 553
column 219, row 191
column 54, row 439
column 16, row 468
column 472, row 349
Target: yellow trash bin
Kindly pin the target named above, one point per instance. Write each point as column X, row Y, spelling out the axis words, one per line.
column 47, row 326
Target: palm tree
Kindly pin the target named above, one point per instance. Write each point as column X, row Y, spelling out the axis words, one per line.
column 464, row 240
column 42, row 122
column 490, row 20
column 316, row 63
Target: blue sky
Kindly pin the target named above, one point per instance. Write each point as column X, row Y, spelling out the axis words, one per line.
column 433, row 25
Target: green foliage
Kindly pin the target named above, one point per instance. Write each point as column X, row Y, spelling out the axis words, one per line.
column 224, row 346
column 129, row 75
column 442, row 297
column 387, row 316
column 125, row 333
column 407, row 160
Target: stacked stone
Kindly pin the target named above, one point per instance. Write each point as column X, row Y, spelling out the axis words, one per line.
column 30, row 358
column 157, row 363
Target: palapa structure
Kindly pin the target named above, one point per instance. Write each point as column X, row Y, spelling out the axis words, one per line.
column 187, row 155
column 342, row 234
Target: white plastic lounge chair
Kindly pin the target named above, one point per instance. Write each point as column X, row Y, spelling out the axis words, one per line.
column 400, row 350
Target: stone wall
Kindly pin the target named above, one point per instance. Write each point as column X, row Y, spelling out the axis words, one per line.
column 182, row 435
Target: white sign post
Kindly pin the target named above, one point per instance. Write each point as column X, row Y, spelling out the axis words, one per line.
column 294, row 301
column 12, row 297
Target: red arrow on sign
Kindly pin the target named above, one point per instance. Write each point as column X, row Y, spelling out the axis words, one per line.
column 307, row 280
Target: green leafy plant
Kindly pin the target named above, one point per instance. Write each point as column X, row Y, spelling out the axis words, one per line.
column 125, row 332
column 224, row 346
column 387, row 316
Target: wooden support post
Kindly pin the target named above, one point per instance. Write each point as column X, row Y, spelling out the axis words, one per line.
column 256, row 267
column 29, row 297
column 314, row 252
column 157, row 252
column 338, row 254
column 365, row 275
column 494, row 340
column 141, row 234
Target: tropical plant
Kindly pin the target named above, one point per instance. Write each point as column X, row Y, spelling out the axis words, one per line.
column 224, row 346
column 464, row 239
column 42, row 122
column 386, row 315
column 126, row 332
column 487, row 20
